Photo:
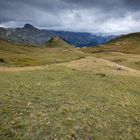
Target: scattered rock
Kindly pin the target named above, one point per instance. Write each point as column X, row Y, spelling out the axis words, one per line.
column 1, row 60
column 29, row 104
column 101, row 74
column 119, row 68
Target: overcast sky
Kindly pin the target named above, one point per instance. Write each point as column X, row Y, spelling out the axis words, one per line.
column 106, row 16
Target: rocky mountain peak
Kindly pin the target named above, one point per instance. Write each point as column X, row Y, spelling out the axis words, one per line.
column 29, row 26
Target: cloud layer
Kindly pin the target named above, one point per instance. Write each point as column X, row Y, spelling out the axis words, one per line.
column 106, row 16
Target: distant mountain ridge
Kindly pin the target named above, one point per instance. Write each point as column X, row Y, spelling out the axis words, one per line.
column 125, row 44
column 32, row 36
column 26, row 35
column 80, row 39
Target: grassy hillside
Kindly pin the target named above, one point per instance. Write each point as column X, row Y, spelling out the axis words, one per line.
column 90, row 96
column 126, row 44
column 57, row 42
column 87, row 99
column 129, row 60
column 124, row 50
column 55, row 51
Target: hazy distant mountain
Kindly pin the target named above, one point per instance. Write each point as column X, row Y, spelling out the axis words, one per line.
column 125, row 44
column 33, row 36
column 83, row 39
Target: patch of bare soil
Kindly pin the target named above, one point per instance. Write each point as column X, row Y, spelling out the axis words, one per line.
column 19, row 69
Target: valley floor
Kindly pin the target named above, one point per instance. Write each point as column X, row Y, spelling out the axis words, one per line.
column 93, row 98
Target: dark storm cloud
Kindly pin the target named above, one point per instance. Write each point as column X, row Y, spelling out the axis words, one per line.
column 132, row 4
column 80, row 15
column 107, row 4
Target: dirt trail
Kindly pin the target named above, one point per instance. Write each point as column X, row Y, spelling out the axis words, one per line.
column 19, row 69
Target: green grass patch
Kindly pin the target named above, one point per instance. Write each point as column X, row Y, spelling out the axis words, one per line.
column 61, row 103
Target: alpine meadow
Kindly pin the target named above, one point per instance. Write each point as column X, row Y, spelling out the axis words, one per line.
column 69, row 70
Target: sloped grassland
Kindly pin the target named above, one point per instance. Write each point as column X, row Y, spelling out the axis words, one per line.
column 18, row 55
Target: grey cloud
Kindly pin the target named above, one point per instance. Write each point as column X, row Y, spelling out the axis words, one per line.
column 77, row 15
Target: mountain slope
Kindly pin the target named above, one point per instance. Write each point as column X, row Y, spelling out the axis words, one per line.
column 26, row 35
column 19, row 55
column 33, row 36
column 124, row 50
column 126, row 44
column 57, row 42
column 82, row 39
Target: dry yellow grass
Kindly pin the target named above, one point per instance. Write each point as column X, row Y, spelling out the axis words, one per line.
column 129, row 60
column 55, row 51
column 103, row 66
column 90, row 63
